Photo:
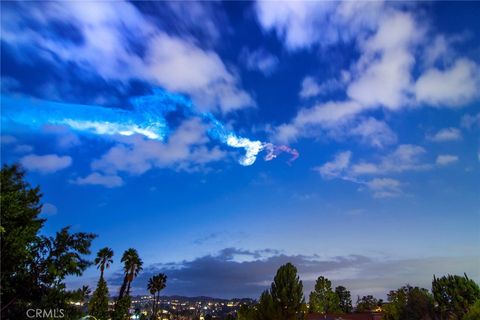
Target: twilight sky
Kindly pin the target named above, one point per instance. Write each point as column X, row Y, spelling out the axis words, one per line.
column 142, row 122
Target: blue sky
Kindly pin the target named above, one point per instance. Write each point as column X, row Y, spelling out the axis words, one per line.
column 380, row 99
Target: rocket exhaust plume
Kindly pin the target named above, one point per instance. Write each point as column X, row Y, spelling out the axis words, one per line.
column 273, row 151
column 147, row 118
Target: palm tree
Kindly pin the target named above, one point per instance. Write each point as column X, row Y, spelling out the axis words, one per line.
column 155, row 285
column 132, row 267
column 104, row 259
column 84, row 292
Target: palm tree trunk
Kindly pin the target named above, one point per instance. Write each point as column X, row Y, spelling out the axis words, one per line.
column 128, row 288
column 123, row 287
column 158, row 299
column 153, row 307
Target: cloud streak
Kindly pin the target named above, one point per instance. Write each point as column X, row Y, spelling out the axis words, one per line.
column 147, row 118
column 392, row 43
column 106, row 40
column 45, row 164
column 404, row 158
column 234, row 272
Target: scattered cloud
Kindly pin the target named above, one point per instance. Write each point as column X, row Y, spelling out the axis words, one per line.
column 203, row 20
column 259, row 60
column 322, row 115
column 13, row 143
column 95, row 178
column 470, row 121
column 382, row 73
column 46, row 163
column 186, row 149
column 404, row 158
column 65, row 137
column 374, row 132
column 441, row 49
column 107, row 32
column 181, row 66
column 219, row 238
column 336, row 120
column 446, row 159
column 384, row 76
column 7, row 139
column 235, row 276
column 447, row 134
column 455, row 86
column 49, row 209
column 214, row 236
column 384, row 55
column 298, row 23
column 384, row 187
column 226, row 274
column 311, row 88
column 337, row 167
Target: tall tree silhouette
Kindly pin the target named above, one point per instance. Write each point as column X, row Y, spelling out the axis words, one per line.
column 98, row 305
column 287, row 292
column 104, row 259
column 132, row 265
column 155, row 285
column 35, row 266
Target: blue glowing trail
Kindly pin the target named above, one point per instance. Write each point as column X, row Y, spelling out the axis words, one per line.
column 147, row 118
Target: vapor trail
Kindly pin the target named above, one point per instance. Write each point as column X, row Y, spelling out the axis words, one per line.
column 147, row 118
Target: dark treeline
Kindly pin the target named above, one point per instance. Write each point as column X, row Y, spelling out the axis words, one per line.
column 34, row 267
column 452, row 298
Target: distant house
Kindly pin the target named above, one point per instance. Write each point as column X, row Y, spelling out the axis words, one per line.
column 347, row 316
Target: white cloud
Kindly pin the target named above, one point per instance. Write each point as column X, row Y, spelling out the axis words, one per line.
column 303, row 24
column 311, row 88
column 384, row 187
column 12, row 141
column 382, row 77
column 337, row 167
column 455, row 86
column 46, row 163
column 194, row 18
column 172, row 62
column 383, row 70
column 446, row 159
column 95, row 178
column 437, row 50
column 65, row 137
column 180, row 66
column 336, row 120
column 7, row 139
column 374, row 132
column 447, row 134
column 259, row 60
column 49, row 209
column 323, row 115
column 405, row 157
column 185, row 150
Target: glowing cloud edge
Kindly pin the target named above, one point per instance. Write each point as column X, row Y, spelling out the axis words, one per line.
column 147, row 118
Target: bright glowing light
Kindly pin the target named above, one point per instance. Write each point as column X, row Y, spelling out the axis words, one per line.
column 252, row 148
column 147, row 118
